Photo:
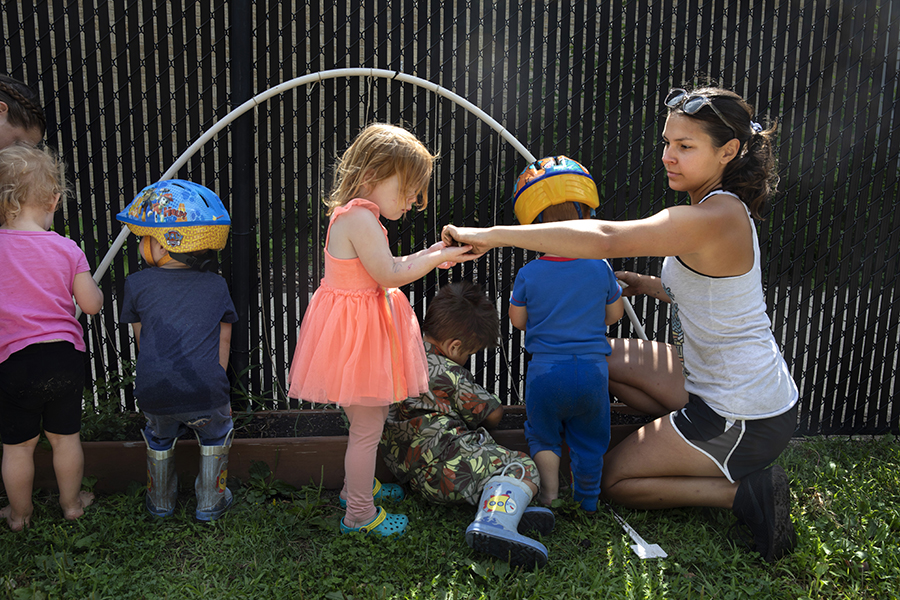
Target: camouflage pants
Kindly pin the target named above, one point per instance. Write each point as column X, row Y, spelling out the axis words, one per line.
column 463, row 474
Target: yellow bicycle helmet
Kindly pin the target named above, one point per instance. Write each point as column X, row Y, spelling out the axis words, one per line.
column 552, row 180
column 182, row 216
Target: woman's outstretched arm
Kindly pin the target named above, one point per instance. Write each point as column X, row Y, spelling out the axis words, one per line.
column 674, row 231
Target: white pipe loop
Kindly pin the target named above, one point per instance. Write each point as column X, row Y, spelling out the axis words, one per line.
column 313, row 78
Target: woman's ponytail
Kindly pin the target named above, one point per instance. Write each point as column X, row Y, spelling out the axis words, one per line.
column 753, row 175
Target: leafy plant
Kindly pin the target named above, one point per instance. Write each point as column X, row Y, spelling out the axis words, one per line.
column 103, row 416
column 251, row 402
column 263, row 486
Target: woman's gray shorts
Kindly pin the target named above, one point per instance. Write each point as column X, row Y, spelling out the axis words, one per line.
column 738, row 447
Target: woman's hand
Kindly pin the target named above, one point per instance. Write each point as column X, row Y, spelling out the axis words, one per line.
column 634, row 284
column 630, row 283
column 473, row 236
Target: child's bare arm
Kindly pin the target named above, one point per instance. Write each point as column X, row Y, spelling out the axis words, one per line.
column 364, row 232
column 136, row 329
column 518, row 316
column 224, row 344
column 87, row 295
column 493, row 420
column 615, row 311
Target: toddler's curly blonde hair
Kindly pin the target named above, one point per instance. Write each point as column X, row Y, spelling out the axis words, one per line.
column 29, row 175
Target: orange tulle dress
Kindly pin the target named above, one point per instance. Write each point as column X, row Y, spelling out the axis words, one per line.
column 359, row 343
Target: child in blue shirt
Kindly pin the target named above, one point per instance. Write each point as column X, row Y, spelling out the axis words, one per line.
column 564, row 306
column 181, row 315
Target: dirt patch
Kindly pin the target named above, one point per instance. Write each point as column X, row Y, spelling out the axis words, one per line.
column 279, row 424
column 315, row 423
column 263, row 424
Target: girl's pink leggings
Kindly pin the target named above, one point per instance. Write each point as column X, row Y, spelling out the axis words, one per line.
column 366, row 425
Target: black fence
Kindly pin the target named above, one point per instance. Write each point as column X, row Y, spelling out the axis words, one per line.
column 129, row 86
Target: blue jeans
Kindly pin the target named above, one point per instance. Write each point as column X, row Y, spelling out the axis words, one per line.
column 568, row 395
column 211, row 426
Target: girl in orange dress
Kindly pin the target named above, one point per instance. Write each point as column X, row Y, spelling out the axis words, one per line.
column 360, row 344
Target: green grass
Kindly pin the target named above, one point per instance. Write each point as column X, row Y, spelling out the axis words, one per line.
column 845, row 506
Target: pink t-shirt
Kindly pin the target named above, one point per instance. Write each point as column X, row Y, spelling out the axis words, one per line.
column 36, row 281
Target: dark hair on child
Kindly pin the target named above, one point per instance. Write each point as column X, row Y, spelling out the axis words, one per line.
column 752, row 175
column 24, row 105
column 460, row 311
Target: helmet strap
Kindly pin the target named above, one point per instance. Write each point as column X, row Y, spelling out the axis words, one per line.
column 198, row 263
column 147, row 254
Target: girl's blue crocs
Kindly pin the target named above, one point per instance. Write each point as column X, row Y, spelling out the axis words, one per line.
column 384, row 524
column 382, row 491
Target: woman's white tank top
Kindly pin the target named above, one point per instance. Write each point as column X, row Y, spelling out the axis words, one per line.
column 724, row 339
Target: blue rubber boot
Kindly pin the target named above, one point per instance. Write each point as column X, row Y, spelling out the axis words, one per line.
column 494, row 530
column 213, row 497
column 162, row 481
column 537, row 520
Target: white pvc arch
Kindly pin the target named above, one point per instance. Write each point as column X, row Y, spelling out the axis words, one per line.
column 313, row 78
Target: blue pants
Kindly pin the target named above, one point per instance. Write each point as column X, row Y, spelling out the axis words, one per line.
column 568, row 395
column 211, row 426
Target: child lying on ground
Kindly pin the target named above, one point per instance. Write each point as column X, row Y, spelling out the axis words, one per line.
column 438, row 444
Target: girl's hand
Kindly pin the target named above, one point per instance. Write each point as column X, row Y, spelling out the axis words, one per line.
column 454, row 254
column 438, row 247
column 474, row 237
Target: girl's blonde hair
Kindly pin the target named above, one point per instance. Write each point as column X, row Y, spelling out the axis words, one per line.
column 379, row 152
column 29, row 175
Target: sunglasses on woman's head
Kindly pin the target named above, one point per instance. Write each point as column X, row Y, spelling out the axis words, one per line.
column 692, row 103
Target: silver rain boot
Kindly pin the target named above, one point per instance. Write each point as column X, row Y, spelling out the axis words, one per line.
column 494, row 530
column 162, row 481
column 213, row 497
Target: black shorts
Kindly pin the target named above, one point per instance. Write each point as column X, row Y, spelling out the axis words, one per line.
column 41, row 386
column 738, row 447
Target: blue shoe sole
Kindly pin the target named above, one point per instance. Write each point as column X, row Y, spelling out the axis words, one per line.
column 526, row 554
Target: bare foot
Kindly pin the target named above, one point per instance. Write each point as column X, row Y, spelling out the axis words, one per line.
column 14, row 524
column 85, row 499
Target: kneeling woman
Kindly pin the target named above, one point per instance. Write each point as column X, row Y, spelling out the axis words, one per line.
column 731, row 401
